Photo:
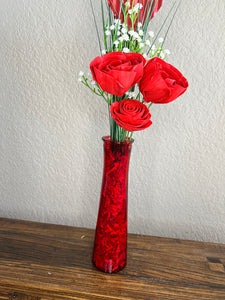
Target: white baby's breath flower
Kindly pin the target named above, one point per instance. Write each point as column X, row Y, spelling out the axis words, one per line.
column 130, row 11
column 136, row 35
column 147, row 43
column 162, row 54
column 103, row 52
column 153, row 48
column 124, row 30
column 161, row 40
column 137, row 7
column 139, row 24
column 151, row 34
column 79, row 79
column 81, row 73
column 132, row 94
column 117, row 21
column 108, row 32
column 116, row 43
column 131, row 32
column 139, row 39
column 121, row 38
column 127, row 4
column 141, row 32
column 167, row 51
column 125, row 37
column 126, row 50
column 141, row 45
column 118, row 33
column 112, row 27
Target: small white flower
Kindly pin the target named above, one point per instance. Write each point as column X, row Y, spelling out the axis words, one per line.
column 162, row 54
column 108, row 32
column 125, row 37
column 141, row 32
column 131, row 32
column 136, row 35
column 112, row 27
column 79, row 79
column 116, row 21
column 118, row 33
column 137, row 7
column 161, row 40
column 148, row 43
column 139, row 24
column 124, row 30
column 141, row 45
column 130, row 11
column 167, row 51
column 153, row 48
column 132, row 94
column 103, row 52
column 127, row 4
column 116, row 43
column 151, row 34
column 139, row 39
column 126, row 50
column 121, row 38
column 81, row 73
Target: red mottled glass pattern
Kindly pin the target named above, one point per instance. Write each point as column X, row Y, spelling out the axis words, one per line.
column 111, row 230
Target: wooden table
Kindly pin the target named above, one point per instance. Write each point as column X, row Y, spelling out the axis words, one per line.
column 43, row 261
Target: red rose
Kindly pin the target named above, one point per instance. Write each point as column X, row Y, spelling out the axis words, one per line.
column 117, row 72
column 131, row 115
column 118, row 11
column 161, row 82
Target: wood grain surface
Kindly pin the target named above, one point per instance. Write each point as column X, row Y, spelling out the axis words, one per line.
column 43, row 261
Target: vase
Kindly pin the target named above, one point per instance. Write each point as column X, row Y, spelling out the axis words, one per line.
column 110, row 246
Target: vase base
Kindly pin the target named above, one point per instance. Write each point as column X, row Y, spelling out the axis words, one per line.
column 107, row 267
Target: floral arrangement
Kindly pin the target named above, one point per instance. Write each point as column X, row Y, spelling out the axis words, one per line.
column 131, row 74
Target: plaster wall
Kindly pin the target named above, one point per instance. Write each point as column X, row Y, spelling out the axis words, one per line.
column 51, row 126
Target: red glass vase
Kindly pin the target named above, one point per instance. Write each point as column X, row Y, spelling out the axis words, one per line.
column 110, row 247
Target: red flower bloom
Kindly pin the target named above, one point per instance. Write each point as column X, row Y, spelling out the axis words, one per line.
column 118, row 11
column 161, row 82
column 131, row 115
column 117, row 72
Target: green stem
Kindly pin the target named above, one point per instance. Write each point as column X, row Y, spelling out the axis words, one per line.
column 131, row 136
column 100, row 92
column 171, row 23
column 124, row 135
column 149, row 105
column 96, row 27
column 161, row 27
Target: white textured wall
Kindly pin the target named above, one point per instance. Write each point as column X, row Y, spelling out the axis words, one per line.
column 51, row 127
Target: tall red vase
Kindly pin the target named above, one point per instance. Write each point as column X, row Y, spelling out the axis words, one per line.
column 110, row 247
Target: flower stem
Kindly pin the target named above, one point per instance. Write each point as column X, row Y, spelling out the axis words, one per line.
column 131, row 136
